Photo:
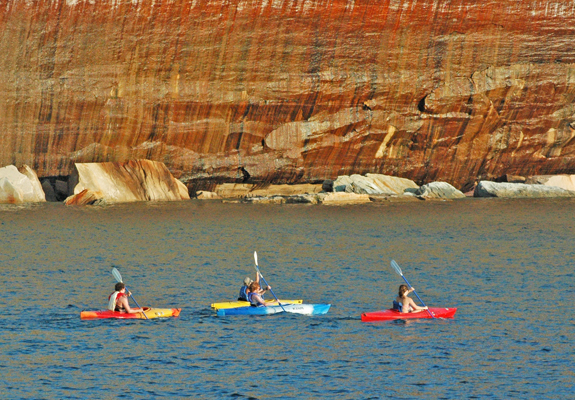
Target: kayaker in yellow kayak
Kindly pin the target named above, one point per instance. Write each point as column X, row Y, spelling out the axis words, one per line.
column 256, row 296
column 118, row 301
column 403, row 303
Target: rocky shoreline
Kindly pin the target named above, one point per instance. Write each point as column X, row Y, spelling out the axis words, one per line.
column 144, row 180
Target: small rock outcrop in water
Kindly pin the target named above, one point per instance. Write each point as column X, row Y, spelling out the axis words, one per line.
column 203, row 195
column 20, row 185
column 112, row 182
column 244, row 190
column 439, row 190
column 345, row 198
column 519, row 190
column 373, row 184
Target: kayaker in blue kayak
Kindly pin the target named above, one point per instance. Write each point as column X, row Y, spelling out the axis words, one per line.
column 245, row 290
column 256, row 296
column 118, row 301
column 403, row 303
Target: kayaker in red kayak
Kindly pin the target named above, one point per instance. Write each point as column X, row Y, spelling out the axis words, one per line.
column 256, row 295
column 118, row 301
column 403, row 303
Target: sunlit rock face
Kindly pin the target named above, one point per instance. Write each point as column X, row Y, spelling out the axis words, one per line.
column 140, row 180
column 519, row 190
column 374, row 184
column 20, row 185
column 566, row 182
column 288, row 91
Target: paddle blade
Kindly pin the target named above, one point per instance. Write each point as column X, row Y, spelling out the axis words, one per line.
column 396, row 267
column 116, row 274
column 256, row 257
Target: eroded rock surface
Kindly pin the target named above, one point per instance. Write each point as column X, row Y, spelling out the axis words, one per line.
column 140, row 180
column 374, row 184
column 345, row 198
column 519, row 190
column 244, row 190
column 20, row 185
column 566, row 182
column 439, row 190
column 290, row 91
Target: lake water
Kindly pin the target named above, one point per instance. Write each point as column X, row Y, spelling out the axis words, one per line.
column 507, row 265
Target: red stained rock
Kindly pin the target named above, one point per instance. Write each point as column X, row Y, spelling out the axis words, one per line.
column 290, row 90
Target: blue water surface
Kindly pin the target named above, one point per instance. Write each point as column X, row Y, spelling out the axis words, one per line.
column 506, row 265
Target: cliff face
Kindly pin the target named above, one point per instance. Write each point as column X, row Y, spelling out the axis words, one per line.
column 290, row 90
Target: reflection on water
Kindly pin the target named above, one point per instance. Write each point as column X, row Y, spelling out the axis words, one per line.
column 504, row 264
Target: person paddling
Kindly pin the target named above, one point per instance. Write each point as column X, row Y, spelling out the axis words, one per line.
column 245, row 289
column 256, row 296
column 118, row 301
column 403, row 303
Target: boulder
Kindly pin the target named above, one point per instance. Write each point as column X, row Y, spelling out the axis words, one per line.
column 327, row 186
column 265, row 200
column 136, row 180
column 62, row 189
column 519, row 190
column 285, row 190
column 202, row 195
column 10, row 193
column 439, row 190
column 511, row 179
column 385, row 198
column 294, row 199
column 233, row 190
column 242, row 190
column 85, row 198
column 345, row 198
column 20, row 185
column 49, row 191
column 566, row 182
column 373, row 184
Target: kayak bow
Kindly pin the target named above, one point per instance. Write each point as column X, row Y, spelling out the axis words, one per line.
column 389, row 315
column 148, row 313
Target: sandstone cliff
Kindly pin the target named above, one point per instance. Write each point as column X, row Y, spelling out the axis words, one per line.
column 288, row 91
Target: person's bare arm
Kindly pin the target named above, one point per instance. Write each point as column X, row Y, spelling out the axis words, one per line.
column 127, row 307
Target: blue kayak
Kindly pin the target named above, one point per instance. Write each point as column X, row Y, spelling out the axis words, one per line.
column 306, row 309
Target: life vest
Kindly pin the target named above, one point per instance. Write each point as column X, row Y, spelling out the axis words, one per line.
column 243, row 294
column 253, row 301
column 397, row 306
column 113, row 298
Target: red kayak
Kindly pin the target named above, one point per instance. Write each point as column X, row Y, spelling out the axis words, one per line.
column 150, row 313
column 389, row 315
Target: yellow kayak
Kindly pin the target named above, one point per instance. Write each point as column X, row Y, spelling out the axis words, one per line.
column 236, row 304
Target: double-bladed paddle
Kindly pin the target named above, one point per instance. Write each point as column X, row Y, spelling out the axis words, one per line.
column 263, row 279
column 398, row 270
column 118, row 277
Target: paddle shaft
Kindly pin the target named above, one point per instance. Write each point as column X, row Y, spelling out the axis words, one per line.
column 408, row 285
column 264, row 279
column 271, row 291
column 134, row 299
